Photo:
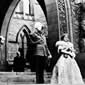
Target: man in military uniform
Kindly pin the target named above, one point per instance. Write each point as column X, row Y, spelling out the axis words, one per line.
column 41, row 51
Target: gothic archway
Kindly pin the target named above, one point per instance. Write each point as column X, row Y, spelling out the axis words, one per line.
column 23, row 41
column 7, row 19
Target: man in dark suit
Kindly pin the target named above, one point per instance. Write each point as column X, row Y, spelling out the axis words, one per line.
column 41, row 51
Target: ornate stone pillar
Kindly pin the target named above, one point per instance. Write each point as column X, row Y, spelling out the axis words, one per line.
column 64, row 18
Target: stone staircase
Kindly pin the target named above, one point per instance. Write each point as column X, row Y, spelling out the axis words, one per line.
column 26, row 77
column 23, row 78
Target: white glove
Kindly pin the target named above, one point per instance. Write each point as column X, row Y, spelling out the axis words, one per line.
column 50, row 56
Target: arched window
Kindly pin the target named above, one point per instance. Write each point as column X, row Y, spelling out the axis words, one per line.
column 24, row 9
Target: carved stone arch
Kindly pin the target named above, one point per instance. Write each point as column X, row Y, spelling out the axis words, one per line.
column 6, row 22
column 25, row 28
column 24, row 50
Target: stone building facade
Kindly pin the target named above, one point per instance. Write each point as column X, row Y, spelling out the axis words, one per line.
column 59, row 15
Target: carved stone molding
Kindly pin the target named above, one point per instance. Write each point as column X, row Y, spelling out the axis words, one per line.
column 62, row 21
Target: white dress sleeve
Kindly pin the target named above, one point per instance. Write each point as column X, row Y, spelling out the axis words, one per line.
column 72, row 49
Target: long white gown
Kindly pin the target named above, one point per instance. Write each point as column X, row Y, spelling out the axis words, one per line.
column 66, row 70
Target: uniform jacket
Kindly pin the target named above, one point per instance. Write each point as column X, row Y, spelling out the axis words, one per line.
column 39, row 40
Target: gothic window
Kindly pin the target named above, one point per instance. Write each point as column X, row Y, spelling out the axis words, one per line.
column 24, row 9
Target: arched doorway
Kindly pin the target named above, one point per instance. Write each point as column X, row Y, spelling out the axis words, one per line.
column 23, row 41
column 25, row 46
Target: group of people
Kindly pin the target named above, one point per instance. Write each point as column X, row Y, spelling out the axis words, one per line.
column 66, row 70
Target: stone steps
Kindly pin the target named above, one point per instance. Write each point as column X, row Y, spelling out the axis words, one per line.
column 22, row 77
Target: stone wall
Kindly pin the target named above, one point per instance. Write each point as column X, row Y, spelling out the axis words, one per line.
column 14, row 27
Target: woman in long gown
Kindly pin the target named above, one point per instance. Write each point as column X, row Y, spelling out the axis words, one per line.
column 66, row 70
